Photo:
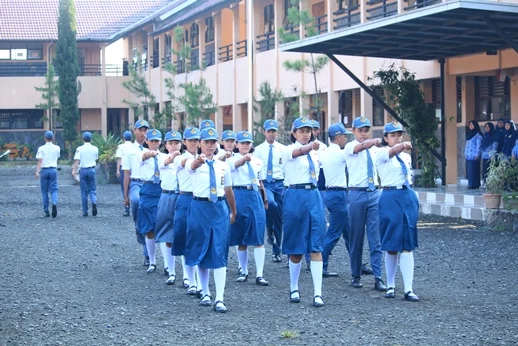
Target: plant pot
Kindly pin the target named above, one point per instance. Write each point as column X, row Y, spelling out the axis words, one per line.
column 492, row 201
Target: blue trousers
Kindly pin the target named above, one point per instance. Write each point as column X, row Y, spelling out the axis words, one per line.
column 473, row 168
column 134, row 195
column 274, row 193
column 49, row 184
column 337, row 205
column 364, row 215
column 88, row 186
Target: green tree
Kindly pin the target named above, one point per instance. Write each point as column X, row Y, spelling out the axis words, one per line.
column 49, row 94
column 403, row 92
column 67, row 68
column 265, row 106
column 315, row 64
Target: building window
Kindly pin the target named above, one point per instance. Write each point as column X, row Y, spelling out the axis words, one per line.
column 156, row 52
column 492, row 98
column 5, row 54
column 345, row 4
column 195, row 38
column 269, row 19
column 345, row 107
column 21, row 51
column 209, row 29
column 21, row 119
column 168, row 46
column 459, row 99
column 378, row 112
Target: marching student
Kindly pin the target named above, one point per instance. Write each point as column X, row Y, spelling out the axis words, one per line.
column 208, row 221
column 130, row 165
column 228, row 144
column 150, row 193
column 121, row 148
column 191, row 137
column 303, row 217
column 249, row 228
column 271, row 152
column 48, row 155
column 363, row 202
column 398, row 210
column 86, row 158
column 167, row 203
column 207, row 123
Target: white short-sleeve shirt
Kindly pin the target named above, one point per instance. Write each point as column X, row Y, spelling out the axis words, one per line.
column 87, row 154
column 183, row 173
column 49, row 155
column 241, row 176
column 168, row 174
column 262, row 151
column 131, row 162
column 147, row 167
column 201, row 178
column 357, row 165
column 296, row 170
column 390, row 170
column 122, row 148
column 332, row 161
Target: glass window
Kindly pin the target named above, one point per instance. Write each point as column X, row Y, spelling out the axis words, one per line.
column 5, row 54
column 34, row 54
column 19, row 54
column 195, row 38
column 345, row 107
column 209, row 29
column 378, row 112
column 269, row 19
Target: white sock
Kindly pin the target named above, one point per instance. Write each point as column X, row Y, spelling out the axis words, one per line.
column 220, row 278
column 197, row 281
column 203, row 277
column 390, row 269
column 242, row 257
column 406, row 265
column 294, row 275
column 316, row 275
column 171, row 264
column 259, row 254
column 163, row 250
column 190, row 275
column 183, row 269
column 151, row 250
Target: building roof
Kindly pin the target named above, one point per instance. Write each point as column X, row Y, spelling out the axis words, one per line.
column 97, row 20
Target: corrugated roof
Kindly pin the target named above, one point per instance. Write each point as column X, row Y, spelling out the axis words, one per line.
column 97, row 20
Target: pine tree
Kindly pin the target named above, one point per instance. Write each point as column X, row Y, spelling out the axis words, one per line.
column 49, row 94
column 67, row 68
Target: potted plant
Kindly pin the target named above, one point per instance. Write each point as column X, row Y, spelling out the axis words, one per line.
column 510, row 197
column 495, row 181
column 107, row 149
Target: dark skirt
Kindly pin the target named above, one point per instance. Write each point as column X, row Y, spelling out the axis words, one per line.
column 473, row 173
column 164, row 218
column 149, row 197
column 180, row 224
column 304, row 222
column 208, row 235
column 398, row 213
column 250, row 222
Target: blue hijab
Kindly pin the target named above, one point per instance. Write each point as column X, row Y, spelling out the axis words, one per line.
column 488, row 139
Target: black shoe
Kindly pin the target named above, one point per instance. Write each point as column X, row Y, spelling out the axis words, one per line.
column 47, row 214
column 85, row 214
column 294, row 299
column 146, row 261
column 318, row 303
column 126, row 213
column 366, row 270
column 54, row 210
column 277, row 258
column 242, row 278
column 166, row 271
column 220, row 307
column 379, row 285
column 205, row 300
column 328, row 274
column 239, row 271
column 411, row 297
column 391, row 292
column 171, row 279
column 356, row 283
column 261, row 281
column 94, row 209
column 151, row 268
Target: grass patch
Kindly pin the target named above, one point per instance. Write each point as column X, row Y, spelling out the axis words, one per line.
column 289, row 334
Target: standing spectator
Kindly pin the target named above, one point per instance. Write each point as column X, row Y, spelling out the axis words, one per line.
column 48, row 155
column 473, row 153
column 86, row 157
column 509, row 138
column 121, row 149
column 500, row 134
column 488, row 147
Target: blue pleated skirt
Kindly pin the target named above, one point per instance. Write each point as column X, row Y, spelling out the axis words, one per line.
column 250, row 222
column 180, row 224
column 149, row 197
column 165, row 217
column 398, row 213
column 304, row 222
column 208, row 235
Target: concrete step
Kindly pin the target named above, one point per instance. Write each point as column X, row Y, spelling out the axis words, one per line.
column 453, row 210
column 465, row 204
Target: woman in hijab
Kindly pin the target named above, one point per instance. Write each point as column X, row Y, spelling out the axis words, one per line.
column 509, row 138
column 473, row 152
column 488, row 146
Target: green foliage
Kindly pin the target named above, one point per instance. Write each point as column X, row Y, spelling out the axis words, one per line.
column 404, row 94
column 107, row 147
column 502, row 175
column 265, row 106
column 67, row 68
column 49, row 94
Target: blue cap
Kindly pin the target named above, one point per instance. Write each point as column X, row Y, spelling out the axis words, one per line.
column 173, row 136
column 361, row 122
column 244, row 136
column 49, row 135
column 206, row 124
column 208, row 134
column 301, row 122
column 127, row 135
column 228, row 134
column 315, row 124
column 337, row 129
column 141, row 123
column 191, row 133
column 271, row 124
column 153, row 134
column 87, row 135
column 393, row 127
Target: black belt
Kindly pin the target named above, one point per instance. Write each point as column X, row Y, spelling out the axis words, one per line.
column 48, row 167
column 363, row 189
column 186, row 193
column 136, row 180
column 272, row 181
column 303, row 186
column 169, row 192
column 336, row 188
column 87, row 167
column 205, row 199
column 401, row 187
column 247, row 187
column 149, row 182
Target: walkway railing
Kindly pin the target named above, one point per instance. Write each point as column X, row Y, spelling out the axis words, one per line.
column 347, row 17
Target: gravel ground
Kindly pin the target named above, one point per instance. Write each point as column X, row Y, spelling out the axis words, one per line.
column 80, row 281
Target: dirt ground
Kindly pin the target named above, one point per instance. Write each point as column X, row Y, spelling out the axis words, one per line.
column 80, row 281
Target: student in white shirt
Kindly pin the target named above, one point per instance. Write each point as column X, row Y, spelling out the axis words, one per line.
column 46, row 170
column 119, row 154
column 86, row 158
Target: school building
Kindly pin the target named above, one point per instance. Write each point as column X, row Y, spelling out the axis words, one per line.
column 480, row 85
